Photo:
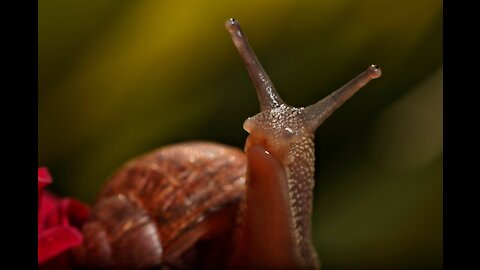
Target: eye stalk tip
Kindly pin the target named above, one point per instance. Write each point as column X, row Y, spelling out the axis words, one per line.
column 374, row 71
column 232, row 25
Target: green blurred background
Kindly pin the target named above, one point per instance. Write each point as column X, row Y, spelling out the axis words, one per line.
column 119, row 78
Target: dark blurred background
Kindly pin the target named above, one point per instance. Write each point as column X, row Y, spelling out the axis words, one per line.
column 120, row 78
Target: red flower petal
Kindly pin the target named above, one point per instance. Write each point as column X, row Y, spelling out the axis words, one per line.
column 76, row 212
column 48, row 214
column 58, row 220
column 44, row 178
column 54, row 241
column 61, row 212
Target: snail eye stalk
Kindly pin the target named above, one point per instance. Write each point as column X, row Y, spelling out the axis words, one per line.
column 267, row 95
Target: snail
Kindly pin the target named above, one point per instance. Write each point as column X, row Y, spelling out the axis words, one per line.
column 207, row 205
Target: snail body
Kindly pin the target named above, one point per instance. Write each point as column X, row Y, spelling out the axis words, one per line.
column 205, row 205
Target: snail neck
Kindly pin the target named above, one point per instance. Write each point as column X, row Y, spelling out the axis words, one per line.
column 274, row 229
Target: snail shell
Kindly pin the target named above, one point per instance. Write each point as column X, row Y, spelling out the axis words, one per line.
column 161, row 204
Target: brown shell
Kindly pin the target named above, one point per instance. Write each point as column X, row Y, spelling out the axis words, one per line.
column 174, row 190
